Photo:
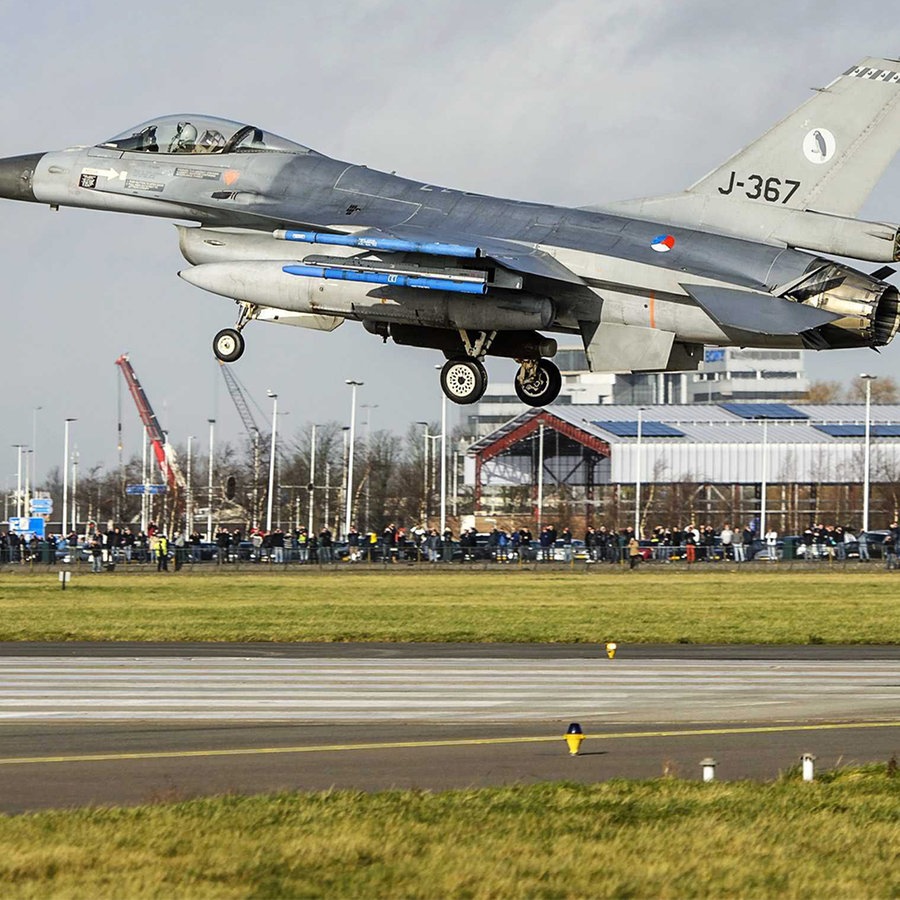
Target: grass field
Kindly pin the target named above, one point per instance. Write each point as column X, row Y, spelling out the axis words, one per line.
column 664, row 838
column 594, row 605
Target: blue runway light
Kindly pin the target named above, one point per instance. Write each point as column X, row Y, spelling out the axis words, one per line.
column 394, row 245
column 412, row 281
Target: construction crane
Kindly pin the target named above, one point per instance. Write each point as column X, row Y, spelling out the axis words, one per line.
column 252, row 429
column 165, row 456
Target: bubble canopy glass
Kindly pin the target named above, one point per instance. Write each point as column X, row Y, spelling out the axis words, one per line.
column 200, row 134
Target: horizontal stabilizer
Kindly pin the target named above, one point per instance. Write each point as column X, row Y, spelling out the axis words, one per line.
column 756, row 312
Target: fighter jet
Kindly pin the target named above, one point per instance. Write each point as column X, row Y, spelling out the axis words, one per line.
column 298, row 238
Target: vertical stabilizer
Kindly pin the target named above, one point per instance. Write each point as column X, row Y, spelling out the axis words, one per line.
column 828, row 154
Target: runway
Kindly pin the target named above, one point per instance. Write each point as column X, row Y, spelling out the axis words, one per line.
column 128, row 723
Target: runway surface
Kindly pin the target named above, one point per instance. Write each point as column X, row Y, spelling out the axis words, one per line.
column 127, row 723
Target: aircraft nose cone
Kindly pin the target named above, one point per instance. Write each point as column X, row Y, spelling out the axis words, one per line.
column 16, row 174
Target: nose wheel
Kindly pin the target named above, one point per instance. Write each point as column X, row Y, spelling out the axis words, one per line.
column 228, row 345
column 538, row 382
column 464, row 380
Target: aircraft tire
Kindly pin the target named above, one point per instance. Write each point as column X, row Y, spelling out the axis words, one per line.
column 228, row 345
column 543, row 389
column 464, row 380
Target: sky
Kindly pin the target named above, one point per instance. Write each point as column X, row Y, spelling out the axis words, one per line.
column 574, row 102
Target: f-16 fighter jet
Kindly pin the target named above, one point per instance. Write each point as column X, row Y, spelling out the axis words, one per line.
column 298, row 238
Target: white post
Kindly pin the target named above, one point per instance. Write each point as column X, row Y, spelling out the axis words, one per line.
column 269, row 499
column 348, row 517
column 75, row 491
column 443, row 463
column 764, row 488
column 190, row 495
column 540, row 503
column 209, row 485
column 19, row 448
column 708, row 766
column 144, row 480
column 808, row 764
column 312, row 481
column 34, row 447
column 866, row 470
column 65, row 496
column 637, row 476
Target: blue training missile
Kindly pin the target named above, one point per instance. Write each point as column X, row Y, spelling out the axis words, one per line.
column 394, row 245
column 413, row 281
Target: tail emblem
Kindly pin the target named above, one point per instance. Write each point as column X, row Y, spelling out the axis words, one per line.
column 819, row 145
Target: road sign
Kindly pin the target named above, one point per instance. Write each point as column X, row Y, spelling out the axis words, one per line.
column 145, row 488
column 26, row 527
column 41, row 506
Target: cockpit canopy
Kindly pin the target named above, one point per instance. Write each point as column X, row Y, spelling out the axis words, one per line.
column 201, row 134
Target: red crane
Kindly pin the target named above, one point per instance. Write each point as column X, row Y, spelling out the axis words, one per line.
column 161, row 450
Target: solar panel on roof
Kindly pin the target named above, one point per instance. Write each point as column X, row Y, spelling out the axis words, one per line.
column 858, row 431
column 764, row 410
column 648, row 429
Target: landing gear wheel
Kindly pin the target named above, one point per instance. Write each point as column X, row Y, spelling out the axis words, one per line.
column 542, row 387
column 228, row 345
column 464, row 380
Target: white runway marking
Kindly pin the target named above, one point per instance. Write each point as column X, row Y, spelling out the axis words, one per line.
column 309, row 690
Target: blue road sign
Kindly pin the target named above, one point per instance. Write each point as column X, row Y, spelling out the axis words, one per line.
column 145, row 488
column 41, row 506
column 26, row 526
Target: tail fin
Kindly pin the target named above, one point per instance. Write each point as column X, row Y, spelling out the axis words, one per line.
column 828, row 154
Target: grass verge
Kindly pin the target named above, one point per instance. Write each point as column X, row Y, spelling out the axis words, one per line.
column 661, row 838
column 704, row 606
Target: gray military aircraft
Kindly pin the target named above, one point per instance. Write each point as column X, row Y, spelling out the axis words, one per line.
column 298, row 238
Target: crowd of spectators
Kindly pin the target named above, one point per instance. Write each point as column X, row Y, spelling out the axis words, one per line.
column 691, row 543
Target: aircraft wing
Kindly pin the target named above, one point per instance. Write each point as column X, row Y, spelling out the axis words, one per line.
column 756, row 312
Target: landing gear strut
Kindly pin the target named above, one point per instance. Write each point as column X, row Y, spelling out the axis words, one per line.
column 538, row 382
column 228, row 344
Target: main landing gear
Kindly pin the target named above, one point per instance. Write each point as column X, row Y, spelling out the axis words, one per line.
column 228, row 344
column 464, row 378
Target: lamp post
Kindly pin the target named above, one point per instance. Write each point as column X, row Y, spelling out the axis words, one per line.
column 368, row 407
column 75, row 490
column 312, row 480
column 34, row 413
column 349, row 512
column 540, row 497
column 190, row 495
column 764, row 486
column 425, row 473
column 19, row 449
column 65, row 496
column 209, row 484
column 638, row 474
column 867, row 459
column 269, row 499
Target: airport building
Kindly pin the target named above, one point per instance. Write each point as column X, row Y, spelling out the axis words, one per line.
column 582, row 464
column 728, row 374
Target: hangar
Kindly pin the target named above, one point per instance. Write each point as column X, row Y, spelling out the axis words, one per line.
column 584, row 464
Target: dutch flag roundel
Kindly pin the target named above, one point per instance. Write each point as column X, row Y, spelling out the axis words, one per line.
column 663, row 243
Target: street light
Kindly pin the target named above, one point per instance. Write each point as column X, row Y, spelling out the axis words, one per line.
column 190, row 495
column 347, row 518
column 764, row 486
column 274, row 397
column 368, row 407
column 65, row 497
column 868, row 380
column 19, row 449
column 443, row 460
column 34, row 413
column 212, row 429
column 425, row 474
column 638, row 473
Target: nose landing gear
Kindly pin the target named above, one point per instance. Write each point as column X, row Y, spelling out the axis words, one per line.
column 228, row 344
